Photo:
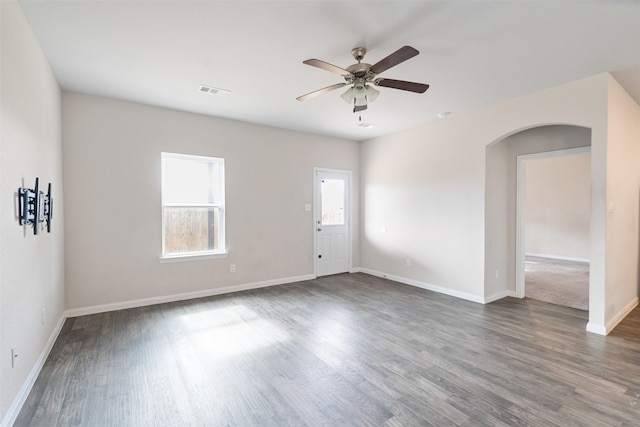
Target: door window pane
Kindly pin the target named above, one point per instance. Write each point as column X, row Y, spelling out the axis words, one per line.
column 332, row 193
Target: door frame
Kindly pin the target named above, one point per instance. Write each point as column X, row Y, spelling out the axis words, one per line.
column 520, row 213
column 348, row 219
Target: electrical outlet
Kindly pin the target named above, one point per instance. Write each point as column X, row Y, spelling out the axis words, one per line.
column 232, row 268
column 408, row 262
column 497, row 274
column 43, row 317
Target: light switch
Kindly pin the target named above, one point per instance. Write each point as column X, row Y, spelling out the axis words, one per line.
column 307, row 207
column 612, row 207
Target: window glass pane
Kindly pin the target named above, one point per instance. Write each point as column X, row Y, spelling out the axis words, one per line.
column 191, row 229
column 190, row 185
column 332, row 193
column 191, row 182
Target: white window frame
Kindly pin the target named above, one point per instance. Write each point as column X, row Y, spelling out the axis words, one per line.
column 195, row 255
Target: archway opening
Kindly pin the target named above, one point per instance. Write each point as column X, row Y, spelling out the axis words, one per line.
column 553, row 227
column 504, row 258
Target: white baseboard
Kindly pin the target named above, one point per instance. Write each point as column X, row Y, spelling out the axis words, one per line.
column 596, row 329
column 427, row 286
column 441, row 290
column 82, row 311
column 563, row 258
column 611, row 324
column 499, row 295
column 23, row 393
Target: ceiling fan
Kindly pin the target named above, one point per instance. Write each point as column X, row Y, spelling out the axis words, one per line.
column 362, row 76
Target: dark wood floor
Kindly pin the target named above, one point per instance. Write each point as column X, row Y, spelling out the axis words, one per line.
column 341, row 350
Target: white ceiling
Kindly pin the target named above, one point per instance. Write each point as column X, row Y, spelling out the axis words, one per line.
column 472, row 53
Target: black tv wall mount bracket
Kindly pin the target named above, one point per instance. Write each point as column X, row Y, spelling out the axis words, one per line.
column 35, row 207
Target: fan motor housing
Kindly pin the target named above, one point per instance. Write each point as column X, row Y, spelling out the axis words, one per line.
column 359, row 70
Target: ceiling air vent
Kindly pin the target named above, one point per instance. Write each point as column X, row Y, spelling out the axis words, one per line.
column 214, row 91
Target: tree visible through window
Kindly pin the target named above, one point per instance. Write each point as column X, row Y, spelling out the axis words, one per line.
column 192, row 205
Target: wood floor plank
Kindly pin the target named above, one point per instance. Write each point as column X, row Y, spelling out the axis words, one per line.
column 350, row 349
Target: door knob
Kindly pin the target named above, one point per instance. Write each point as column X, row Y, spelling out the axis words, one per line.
column 319, row 229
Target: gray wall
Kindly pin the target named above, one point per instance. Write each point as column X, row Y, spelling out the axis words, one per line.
column 436, row 195
column 558, row 206
column 112, row 173
column 622, row 208
column 32, row 289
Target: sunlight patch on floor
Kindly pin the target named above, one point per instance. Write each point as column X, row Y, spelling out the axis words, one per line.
column 231, row 331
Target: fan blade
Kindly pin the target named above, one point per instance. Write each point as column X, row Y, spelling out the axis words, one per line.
column 394, row 59
column 402, row 85
column 320, row 91
column 326, row 66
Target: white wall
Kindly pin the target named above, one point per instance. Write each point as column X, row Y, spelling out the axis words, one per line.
column 31, row 267
column 422, row 200
column 623, row 204
column 558, row 205
column 112, row 174
column 427, row 187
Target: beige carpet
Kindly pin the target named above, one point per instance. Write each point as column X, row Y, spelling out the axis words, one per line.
column 557, row 282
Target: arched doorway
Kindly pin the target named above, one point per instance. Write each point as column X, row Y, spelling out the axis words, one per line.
column 501, row 227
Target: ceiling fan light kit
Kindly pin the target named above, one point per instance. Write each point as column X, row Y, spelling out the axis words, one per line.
column 360, row 94
column 361, row 76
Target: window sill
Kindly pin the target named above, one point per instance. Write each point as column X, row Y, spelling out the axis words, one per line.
column 196, row 256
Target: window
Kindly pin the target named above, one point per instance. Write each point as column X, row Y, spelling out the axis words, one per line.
column 332, row 194
column 192, row 206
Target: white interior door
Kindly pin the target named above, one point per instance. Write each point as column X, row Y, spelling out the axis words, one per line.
column 332, row 222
